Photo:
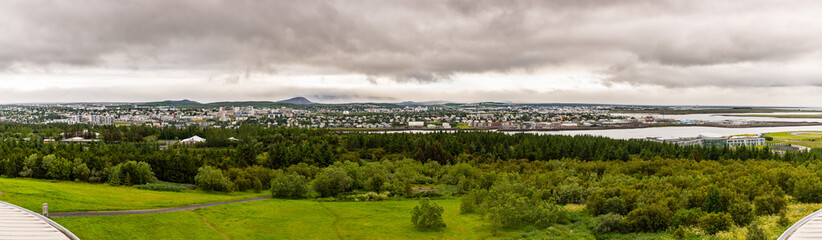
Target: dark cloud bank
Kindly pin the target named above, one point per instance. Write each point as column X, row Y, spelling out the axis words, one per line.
column 756, row 43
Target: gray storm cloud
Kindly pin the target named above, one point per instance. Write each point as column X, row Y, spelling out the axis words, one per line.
column 642, row 42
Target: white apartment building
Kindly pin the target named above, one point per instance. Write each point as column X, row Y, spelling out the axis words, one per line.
column 746, row 141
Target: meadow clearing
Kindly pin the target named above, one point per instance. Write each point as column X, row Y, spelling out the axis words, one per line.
column 66, row 196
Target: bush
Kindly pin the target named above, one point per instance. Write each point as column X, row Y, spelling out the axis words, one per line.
column 615, row 205
column 649, row 219
column 165, row 186
column 687, row 217
column 131, row 173
column 370, row 196
column 742, row 213
column 609, row 223
column 288, row 186
column 212, row 179
column 755, row 233
column 713, row 223
column 471, row 202
column 769, row 204
column 375, row 183
column 716, row 201
column 571, row 193
column 81, row 171
column 332, row 181
column 427, row 216
column 808, row 190
column 512, row 211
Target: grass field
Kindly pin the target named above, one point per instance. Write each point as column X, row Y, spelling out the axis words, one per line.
column 67, row 196
column 287, row 219
column 778, row 115
column 308, row 219
column 811, row 139
column 300, row 219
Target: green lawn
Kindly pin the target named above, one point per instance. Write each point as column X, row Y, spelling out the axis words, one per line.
column 288, row 219
column 811, row 139
column 65, row 196
column 779, row 115
column 173, row 225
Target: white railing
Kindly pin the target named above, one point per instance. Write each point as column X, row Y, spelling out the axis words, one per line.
column 47, row 220
column 788, row 233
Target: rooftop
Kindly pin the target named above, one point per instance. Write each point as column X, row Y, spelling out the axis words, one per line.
column 809, row 227
column 18, row 223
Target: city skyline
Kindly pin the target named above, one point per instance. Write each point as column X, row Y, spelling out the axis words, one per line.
column 764, row 53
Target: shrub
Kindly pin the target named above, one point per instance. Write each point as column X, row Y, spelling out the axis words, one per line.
column 609, row 223
column 615, row 205
column 571, row 193
column 687, row 217
column 81, row 171
column 370, row 196
column 783, row 220
column 288, row 186
column 742, row 213
column 769, row 204
column 375, row 183
column 713, row 223
column 755, row 233
column 653, row 218
column 165, row 186
column 131, row 173
column 212, row 179
column 715, row 202
column 511, row 211
column 332, row 181
column 808, row 190
column 471, row 202
column 427, row 216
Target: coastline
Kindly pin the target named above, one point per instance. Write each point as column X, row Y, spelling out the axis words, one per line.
column 767, row 124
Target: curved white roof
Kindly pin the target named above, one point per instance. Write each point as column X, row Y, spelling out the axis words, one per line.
column 809, row 227
column 20, row 224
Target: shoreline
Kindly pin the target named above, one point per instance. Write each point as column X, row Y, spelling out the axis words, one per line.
column 768, row 124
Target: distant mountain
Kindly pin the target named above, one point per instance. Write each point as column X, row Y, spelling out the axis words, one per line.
column 297, row 100
column 184, row 101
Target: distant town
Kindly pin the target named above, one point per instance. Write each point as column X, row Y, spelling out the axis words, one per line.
column 302, row 113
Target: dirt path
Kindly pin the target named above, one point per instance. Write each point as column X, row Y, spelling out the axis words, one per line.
column 336, row 220
column 212, row 227
column 146, row 211
column 803, row 134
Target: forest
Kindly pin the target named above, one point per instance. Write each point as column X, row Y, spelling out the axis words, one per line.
column 513, row 180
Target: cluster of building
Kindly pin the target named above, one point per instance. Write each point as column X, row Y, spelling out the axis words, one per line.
column 365, row 116
column 712, row 140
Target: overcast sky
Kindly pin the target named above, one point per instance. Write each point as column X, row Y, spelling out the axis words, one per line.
column 696, row 52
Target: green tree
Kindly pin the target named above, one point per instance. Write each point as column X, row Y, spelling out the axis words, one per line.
column 652, row 218
column 212, row 179
column 713, row 223
column 769, row 204
column 609, row 223
column 288, row 186
column 742, row 213
column 427, row 216
column 615, row 205
column 332, row 181
column 808, row 190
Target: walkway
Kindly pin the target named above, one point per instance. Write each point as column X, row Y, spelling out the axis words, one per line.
column 809, row 227
column 18, row 223
column 147, row 211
